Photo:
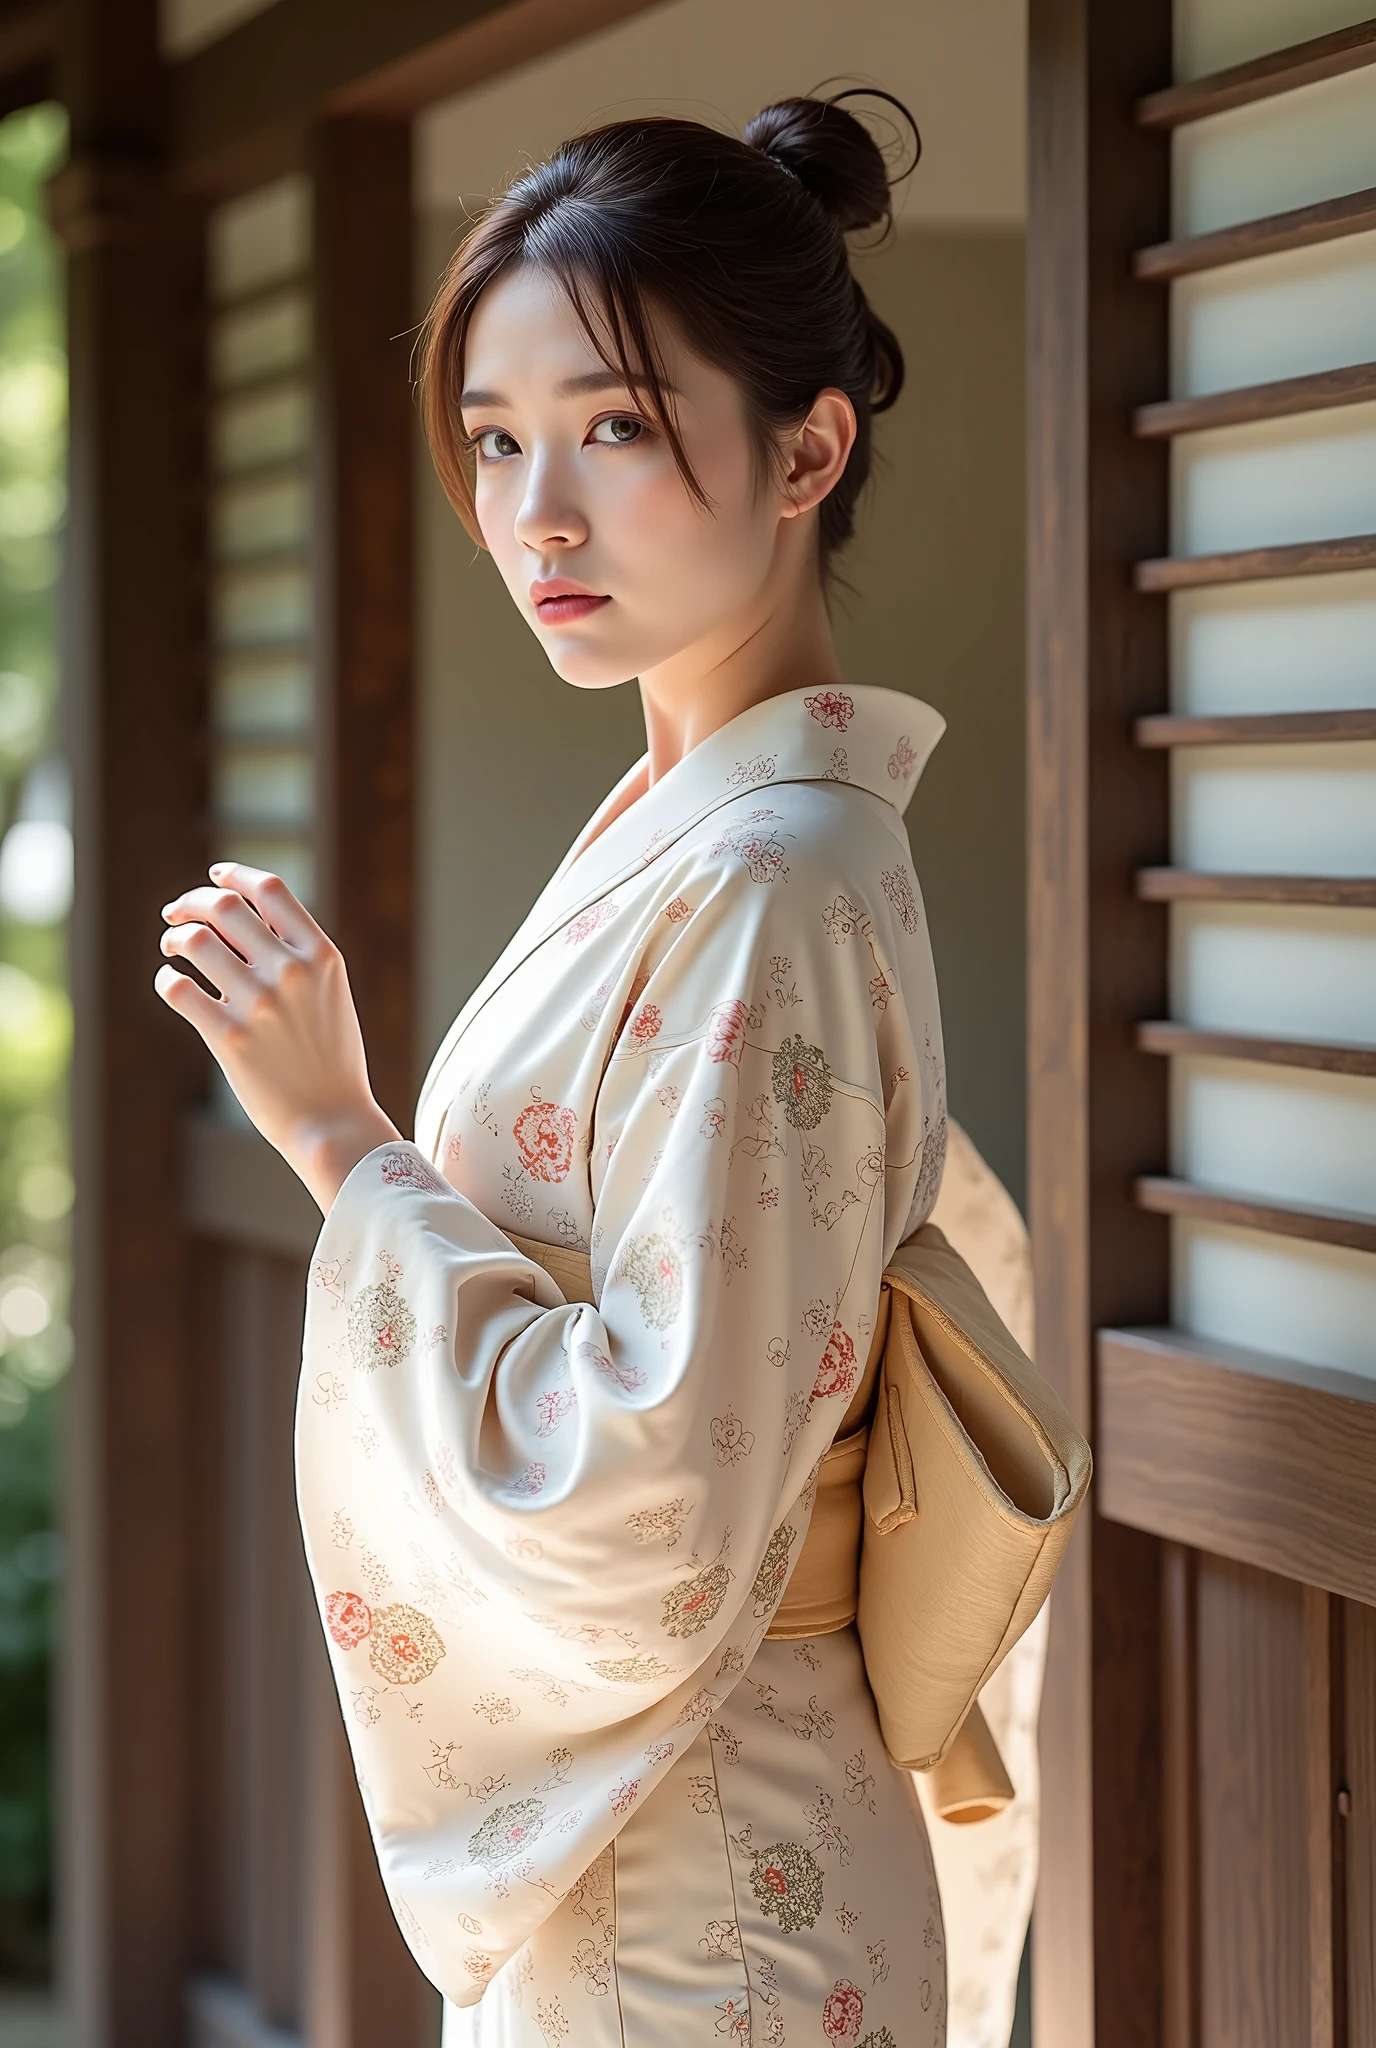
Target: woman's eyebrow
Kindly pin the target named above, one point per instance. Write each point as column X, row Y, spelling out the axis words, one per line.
column 571, row 387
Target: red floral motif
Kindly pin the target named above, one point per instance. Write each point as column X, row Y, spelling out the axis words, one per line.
column 831, row 707
column 901, row 759
column 726, row 1033
column 839, row 1369
column 348, row 1619
column 647, row 1023
column 588, row 922
column 406, row 1646
column 843, row 2014
column 544, row 1134
column 678, row 910
column 404, row 1170
column 623, row 1796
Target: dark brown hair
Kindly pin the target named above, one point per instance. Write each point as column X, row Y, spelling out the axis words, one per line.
column 741, row 244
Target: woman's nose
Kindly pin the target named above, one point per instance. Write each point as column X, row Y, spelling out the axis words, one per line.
column 548, row 516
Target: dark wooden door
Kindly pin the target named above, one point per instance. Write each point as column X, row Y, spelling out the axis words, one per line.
column 1203, row 918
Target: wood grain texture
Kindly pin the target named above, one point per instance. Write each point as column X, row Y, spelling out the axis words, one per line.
column 1266, row 728
column 1241, row 85
column 1180, row 1957
column 1357, row 1824
column 1252, row 1720
column 1198, row 1447
column 1164, row 1196
column 1321, row 391
column 1257, row 565
column 1323, row 1662
column 1303, row 227
column 1177, row 1040
column 1189, row 885
column 1097, row 497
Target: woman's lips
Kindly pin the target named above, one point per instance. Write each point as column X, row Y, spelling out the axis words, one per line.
column 561, row 611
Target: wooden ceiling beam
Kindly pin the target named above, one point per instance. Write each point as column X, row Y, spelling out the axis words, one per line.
column 241, row 108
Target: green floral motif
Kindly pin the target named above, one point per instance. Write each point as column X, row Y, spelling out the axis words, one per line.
column 655, row 1270
column 879, row 2037
column 689, row 1606
column 773, row 1572
column 628, row 1670
column 382, row 1328
column 802, row 1083
column 505, row 1834
column 787, row 1881
column 404, row 1645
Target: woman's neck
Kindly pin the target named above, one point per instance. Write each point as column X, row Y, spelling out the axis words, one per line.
column 784, row 644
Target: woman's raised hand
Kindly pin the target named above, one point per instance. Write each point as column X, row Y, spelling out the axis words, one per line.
column 283, row 1027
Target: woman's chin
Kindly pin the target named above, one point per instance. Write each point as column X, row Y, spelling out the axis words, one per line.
column 589, row 668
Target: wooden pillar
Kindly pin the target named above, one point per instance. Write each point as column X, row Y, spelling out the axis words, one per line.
column 133, row 721
column 1097, row 500
column 363, row 1987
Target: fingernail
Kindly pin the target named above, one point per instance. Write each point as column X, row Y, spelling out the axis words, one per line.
column 217, row 867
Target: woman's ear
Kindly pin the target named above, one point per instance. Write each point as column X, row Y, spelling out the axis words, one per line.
column 817, row 451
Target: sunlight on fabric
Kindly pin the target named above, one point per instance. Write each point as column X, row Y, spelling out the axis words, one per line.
column 1275, row 969
column 1312, row 1302
column 1294, row 645
column 1304, row 810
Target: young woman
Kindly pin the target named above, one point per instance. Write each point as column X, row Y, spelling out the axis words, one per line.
column 550, row 1534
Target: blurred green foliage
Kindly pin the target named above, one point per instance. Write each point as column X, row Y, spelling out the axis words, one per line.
column 35, row 1033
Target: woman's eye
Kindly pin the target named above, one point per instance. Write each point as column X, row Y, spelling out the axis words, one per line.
column 617, row 431
column 494, row 444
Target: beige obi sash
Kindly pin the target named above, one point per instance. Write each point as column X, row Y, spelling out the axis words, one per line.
column 970, row 1782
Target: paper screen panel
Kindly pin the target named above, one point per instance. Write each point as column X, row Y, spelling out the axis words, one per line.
column 1299, row 644
column 1276, row 970
column 1279, row 1134
column 260, row 239
column 1274, row 316
column 1312, row 477
column 1301, row 810
column 1312, row 1302
column 1211, row 35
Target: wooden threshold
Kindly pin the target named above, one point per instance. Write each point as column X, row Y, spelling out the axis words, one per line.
column 1165, row 573
column 1188, row 885
column 1322, row 391
column 1300, row 228
column 1164, row 1196
column 1348, row 49
column 1323, row 1056
column 1266, row 1461
column 1269, row 728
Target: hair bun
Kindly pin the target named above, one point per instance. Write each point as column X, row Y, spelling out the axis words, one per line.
column 833, row 155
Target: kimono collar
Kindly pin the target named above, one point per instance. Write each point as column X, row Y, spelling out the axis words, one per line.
column 875, row 740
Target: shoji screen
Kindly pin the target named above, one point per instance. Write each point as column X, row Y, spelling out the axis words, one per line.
column 260, row 448
column 1272, row 583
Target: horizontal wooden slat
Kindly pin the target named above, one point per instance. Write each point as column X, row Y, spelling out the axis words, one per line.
column 239, row 1191
column 293, row 283
column 1187, row 885
column 1319, row 1056
column 1347, row 49
column 1165, row 1196
column 1264, row 1460
column 1269, row 728
column 1257, row 565
column 1321, row 392
column 1301, row 228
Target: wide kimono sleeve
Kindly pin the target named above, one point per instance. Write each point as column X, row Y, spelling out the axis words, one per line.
column 547, row 1537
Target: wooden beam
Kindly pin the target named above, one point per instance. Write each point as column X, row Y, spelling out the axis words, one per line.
column 1262, row 728
column 1189, row 885
column 1097, row 810
column 1166, row 1196
column 1303, row 227
column 1320, row 391
column 1321, row 1056
column 242, row 108
column 1165, row 573
column 1242, row 85
column 1264, row 1460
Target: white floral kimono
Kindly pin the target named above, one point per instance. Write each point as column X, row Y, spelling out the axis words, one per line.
column 548, row 1538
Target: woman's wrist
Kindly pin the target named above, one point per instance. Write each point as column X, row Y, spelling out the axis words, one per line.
column 324, row 1150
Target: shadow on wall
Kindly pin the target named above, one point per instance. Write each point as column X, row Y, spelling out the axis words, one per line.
column 512, row 760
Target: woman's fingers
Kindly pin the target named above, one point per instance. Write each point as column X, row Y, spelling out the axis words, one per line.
column 273, row 901
column 190, row 1000
column 225, row 911
column 219, row 963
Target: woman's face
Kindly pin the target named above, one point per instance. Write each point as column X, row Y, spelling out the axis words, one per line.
column 615, row 566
